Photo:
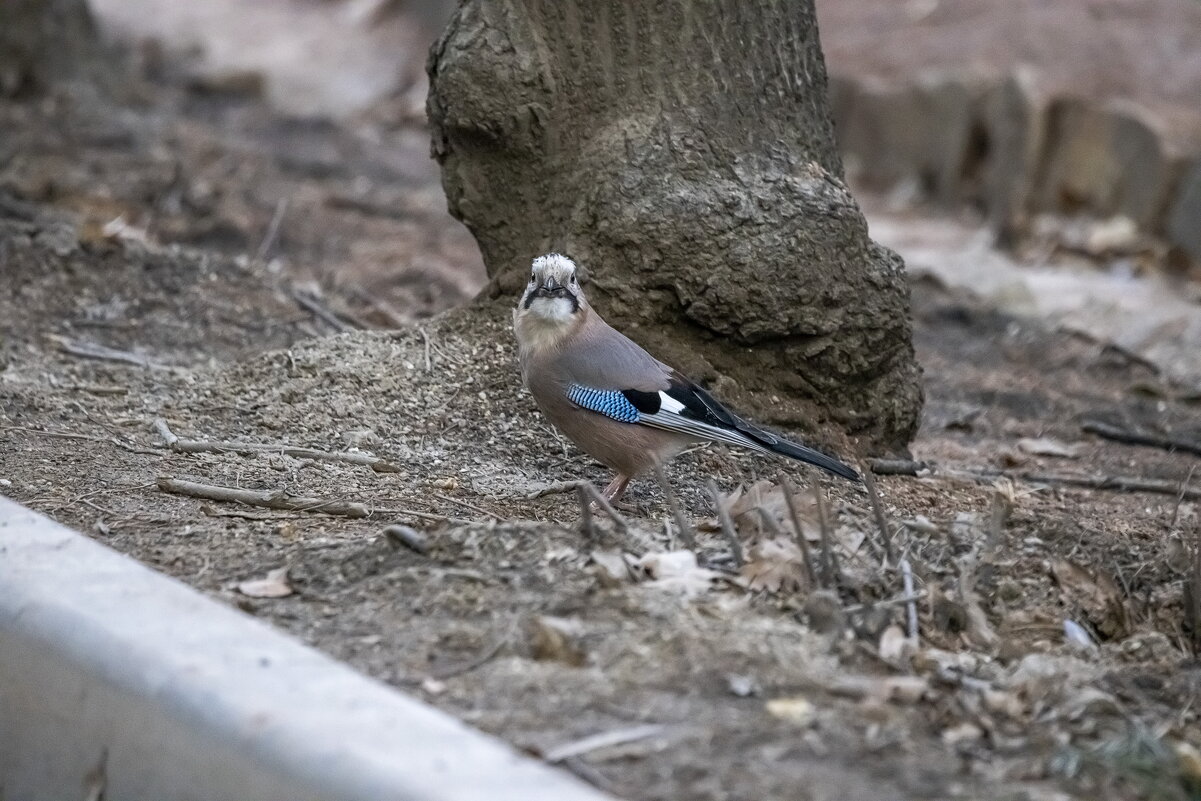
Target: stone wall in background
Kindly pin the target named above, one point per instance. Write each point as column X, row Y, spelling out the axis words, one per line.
column 1015, row 150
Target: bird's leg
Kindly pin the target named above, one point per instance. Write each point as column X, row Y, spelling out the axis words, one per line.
column 616, row 488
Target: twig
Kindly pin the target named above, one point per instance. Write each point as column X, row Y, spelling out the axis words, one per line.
column 911, row 604
column 554, row 489
column 429, row 364
column 164, row 431
column 996, row 522
column 207, row 446
column 311, row 305
column 1180, row 497
column 487, row 656
column 906, row 599
column 1194, row 590
column 92, row 350
column 81, row 437
column 798, row 532
column 686, row 533
column 603, row 502
column 467, row 505
column 833, row 568
column 878, row 510
column 727, row 525
column 896, row 467
column 1133, row 437
column 606, row 739
column 270, row 499
column 272, row 233
column 1115, row 483
column 398, row 535
column 978, row 627
column 587, row 526
column 1118, row 483
column 589, row 774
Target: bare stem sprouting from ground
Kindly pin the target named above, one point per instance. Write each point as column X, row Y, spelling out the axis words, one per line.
column 727, row 525
column 673, row 503
column 881, row 520
column 799, row 532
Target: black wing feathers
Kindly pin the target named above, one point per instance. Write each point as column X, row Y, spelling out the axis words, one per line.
column 700, row 405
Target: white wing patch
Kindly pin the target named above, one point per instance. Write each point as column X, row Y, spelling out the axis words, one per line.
column 669, row 404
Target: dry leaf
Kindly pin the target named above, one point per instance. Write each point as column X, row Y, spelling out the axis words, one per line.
column 556, row 639
column 677, row 572
column 1096, row 594
column 774, row 565
column 894, row 645
column 1048, row 446
column 610, row 568
column 274, row 585
column 798, row 711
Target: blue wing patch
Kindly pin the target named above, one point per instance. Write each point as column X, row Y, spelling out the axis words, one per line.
column 609, row 402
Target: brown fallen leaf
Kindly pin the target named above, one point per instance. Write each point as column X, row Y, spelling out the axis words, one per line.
column 1096, row 594
column 273, row 585
column 774, row 565
column 1048, row 446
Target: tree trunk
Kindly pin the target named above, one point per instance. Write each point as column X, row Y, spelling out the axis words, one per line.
column 683, row 153
column 45, row 41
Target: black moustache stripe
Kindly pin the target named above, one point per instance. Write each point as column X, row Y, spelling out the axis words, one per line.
column 542, row 293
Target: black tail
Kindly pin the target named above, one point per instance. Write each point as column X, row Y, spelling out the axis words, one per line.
column 803, row 454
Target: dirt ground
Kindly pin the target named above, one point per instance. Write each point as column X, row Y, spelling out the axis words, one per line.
column 759, row 685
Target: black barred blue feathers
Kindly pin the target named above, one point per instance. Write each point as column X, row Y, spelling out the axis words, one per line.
column 611, row 403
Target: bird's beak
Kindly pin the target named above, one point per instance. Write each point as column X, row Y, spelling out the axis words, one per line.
column 551, row 287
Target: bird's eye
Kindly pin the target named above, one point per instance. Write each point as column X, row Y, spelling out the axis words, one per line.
column 573, row 281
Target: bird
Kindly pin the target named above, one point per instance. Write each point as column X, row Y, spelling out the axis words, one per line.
column 618, row 403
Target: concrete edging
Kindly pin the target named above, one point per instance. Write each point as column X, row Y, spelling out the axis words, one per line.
column 110, row 669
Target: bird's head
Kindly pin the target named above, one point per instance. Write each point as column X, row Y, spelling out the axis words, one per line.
column 553, row 294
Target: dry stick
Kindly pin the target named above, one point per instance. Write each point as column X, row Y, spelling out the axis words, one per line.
column 272, row 230
column 1180, row 498
column 1196, row 596
column 799, row 533
column 603, row 502
column 996, row 522
column 1119, row 483
column 429, row 364
column 467, row 505
column 878, row 510
column 479, row 661
column 587, row 526
column 270, row 499
column 833, row 568
column 911, row 604
column 554, row 489
column 91, row 350
column 206, row 446
column 81, row 437
column 686, row 533
column 1132, row 437
column 311, row 305
column 896, row 467
column 606, row 739
column 727, row 525
column 906, row 599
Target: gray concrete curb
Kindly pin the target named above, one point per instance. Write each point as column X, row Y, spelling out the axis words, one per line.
column 110, row 669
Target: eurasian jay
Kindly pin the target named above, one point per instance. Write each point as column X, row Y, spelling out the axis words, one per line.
column 610, row 397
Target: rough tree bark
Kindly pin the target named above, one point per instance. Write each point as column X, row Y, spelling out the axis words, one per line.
column 45, row 41
column 683, row 152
